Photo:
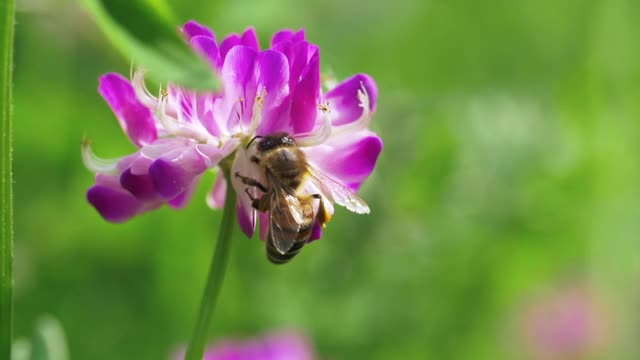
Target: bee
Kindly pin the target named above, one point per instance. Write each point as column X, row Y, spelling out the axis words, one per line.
column 291, row 213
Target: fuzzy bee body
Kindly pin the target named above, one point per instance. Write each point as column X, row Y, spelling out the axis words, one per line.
column 292, row 214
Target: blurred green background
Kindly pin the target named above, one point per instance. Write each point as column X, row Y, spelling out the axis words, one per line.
column 510, row 169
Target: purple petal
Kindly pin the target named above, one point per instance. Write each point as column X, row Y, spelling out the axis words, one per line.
column 113, row 205
column 169, row 179
column 298, row 59
column 276, row 119
column 205, row 105
column 140, row 186
column 208, row 48
column 192, row 28
column 246, row 218
column 215, row 198
column 250, row 39
column 287, row 35
column 136, row 119
column 228, row 43
column 344, row 102
column 272, row 72
column 183, row 198
column 238, row 77
column 282, row 35
column 298, row 36
column 316, row 232
column 304, row 106
column 349, row 158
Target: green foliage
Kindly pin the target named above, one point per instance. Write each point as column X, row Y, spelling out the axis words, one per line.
column 145, row 31
column 510, row 167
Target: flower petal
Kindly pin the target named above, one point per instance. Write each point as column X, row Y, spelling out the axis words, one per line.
column 298, row 60
column 113, row 205
column 169, row 179
column 234, row 111
column 304, row 106
column 280, row 36
column 250, row 39
column 192, row 28
column 316, row 232
column 204, row 106
column 208, row 48
column 344, row 102
column 349, row 158
column 140, row 186
column 244, row 167
column 272, row 72
column 215, row 198
column 135, row 118
column 214, row 154
column 246, row 218
column 183, row 198
column 227, row 44
column 287, row 35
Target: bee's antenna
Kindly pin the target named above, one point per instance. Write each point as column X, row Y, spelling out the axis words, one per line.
column 255, row 137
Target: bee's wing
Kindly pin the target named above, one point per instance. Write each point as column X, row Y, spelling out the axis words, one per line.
column 286, row 217
column 337, row 192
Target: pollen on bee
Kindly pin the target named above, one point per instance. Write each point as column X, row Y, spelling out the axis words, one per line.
column 327, row 218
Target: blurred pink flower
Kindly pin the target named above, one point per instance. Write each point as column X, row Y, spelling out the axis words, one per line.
column 568, row 324
column 277, row 346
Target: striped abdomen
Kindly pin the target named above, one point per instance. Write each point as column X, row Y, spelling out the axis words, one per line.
column 286, row 227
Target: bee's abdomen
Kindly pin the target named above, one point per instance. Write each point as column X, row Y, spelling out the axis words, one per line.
column 277, row 258
column 301, row 236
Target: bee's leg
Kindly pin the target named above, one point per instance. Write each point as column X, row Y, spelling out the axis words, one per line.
column 261, row 204
column 251, row 182
column 255, row 203
column 323, row 215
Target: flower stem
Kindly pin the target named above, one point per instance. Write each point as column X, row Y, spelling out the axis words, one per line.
column 217, row 269
column 7, row 13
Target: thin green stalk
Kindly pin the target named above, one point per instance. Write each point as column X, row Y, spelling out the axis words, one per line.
column 7, row 13
column 218, row 266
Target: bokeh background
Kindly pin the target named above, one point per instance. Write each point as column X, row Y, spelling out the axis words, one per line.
column 509, row 180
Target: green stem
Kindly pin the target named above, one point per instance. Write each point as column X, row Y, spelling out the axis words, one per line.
column 7, row 13
column 218, row 266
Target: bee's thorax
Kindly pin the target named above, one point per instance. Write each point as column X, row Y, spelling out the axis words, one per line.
column 287, row 163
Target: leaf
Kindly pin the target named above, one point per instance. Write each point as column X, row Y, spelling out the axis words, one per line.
column 145, row 31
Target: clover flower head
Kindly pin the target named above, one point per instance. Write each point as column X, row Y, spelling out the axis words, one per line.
column 180, row 133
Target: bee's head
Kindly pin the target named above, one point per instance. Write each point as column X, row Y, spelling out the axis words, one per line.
column 273, row 141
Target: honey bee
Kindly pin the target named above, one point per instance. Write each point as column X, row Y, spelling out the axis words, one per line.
column 291, row 213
